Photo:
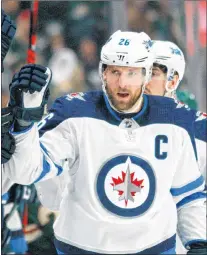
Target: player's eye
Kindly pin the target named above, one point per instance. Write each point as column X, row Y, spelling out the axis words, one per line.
column 132, row 73
column 115, row 72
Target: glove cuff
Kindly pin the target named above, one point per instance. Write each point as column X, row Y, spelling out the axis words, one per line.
column 28, row 115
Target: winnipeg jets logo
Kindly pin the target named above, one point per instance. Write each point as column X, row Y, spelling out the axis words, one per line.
column 148, row 44
column 126, row 185
column 176, row 51
column 201, row 116
column 79, row 96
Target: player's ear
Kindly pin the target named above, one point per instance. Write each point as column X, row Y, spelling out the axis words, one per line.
column 172, row 84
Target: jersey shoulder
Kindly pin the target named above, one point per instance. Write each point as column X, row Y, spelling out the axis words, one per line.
column 166, row 110
column 73, row 105
column 79, row 104
column 200, row 125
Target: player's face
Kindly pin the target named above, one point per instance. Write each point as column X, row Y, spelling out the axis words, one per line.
column 123, row 85
column 157, row 84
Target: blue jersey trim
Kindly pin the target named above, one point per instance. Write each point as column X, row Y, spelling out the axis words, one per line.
column 190, row 186
column 46, row 170
column 59, row 168
column 116, row 114
column 46, row 166
column 171, row 251
column 144, row 108
column 161, row 248
column 113, row 113
column 188, row 199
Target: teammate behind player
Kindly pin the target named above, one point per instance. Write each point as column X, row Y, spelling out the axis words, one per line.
column 129, row 161
column 168, row 71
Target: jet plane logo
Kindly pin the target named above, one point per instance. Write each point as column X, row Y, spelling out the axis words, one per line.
column 127, row 186
column 148, row 44
column 176, row 51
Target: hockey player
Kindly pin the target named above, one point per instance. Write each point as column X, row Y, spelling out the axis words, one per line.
column 167, row 73
column 129, row 160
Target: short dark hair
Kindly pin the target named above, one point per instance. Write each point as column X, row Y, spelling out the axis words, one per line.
column 164, row 68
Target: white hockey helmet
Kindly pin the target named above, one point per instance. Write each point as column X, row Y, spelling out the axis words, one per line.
column 130, row 49
column 170, row 55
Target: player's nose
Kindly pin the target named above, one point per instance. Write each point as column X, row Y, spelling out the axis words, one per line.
column 122, row 81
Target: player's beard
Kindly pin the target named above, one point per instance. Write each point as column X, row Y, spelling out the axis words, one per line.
column 123, row 105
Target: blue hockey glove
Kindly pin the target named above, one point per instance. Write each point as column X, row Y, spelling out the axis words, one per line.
column 7, row 140
column 29, row 92
column 199, row 248
column 8, row 29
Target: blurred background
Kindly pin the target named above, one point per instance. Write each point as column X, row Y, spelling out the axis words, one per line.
column 69, row 39
column 70, row 35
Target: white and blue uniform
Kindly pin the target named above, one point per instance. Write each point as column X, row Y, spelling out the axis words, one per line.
column 128, row 174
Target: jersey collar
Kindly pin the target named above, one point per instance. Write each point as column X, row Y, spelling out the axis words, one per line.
column 120, row 116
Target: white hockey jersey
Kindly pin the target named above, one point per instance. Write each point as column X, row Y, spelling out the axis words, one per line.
column 57, row 184
column 128, row 174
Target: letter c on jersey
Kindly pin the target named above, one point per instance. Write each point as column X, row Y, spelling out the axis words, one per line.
column 126, row 185
column 158, row 140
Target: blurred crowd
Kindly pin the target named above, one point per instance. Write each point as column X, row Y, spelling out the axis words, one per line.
column 70, row 34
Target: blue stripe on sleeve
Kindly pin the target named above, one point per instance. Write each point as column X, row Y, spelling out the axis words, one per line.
column 190, row 186
column 46, row 166
column 59, row 168
column 46, row 169
column 197, row 195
